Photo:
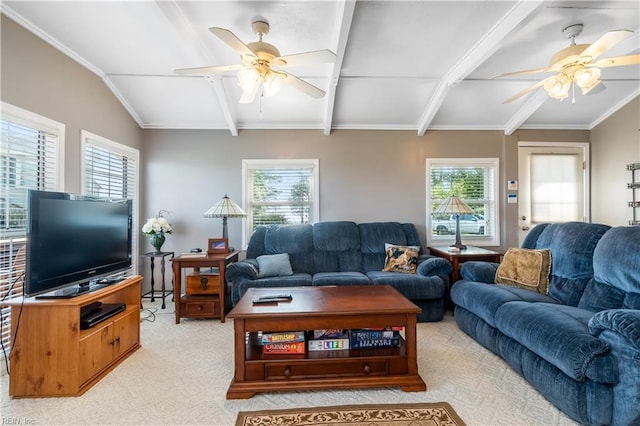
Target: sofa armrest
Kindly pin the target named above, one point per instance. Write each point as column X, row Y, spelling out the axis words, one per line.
column 483, row 272
column 432, row 265
column 624, row 323
column 620, row 329
column 244, row 269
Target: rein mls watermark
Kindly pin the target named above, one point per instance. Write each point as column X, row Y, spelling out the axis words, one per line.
column 18, row 421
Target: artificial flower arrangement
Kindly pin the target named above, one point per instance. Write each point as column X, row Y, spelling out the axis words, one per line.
column 158, row 224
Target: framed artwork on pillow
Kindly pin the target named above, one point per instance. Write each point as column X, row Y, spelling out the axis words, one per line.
column 217, row 245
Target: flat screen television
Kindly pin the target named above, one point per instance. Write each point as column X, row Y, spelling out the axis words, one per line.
column 73, row 241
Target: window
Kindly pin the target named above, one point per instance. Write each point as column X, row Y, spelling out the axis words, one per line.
column 475, row 181
column 31, row 148
column 110, row 169
column 279, row 192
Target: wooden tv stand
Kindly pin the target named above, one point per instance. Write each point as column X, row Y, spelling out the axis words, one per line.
column 52, row 356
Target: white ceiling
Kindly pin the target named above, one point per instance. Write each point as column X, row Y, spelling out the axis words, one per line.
column 412, row 65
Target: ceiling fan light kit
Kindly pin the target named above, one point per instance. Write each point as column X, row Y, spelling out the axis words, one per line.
column 258, row 59
column 577, row 64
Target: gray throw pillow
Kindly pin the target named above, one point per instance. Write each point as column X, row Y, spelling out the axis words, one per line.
column 274, row 265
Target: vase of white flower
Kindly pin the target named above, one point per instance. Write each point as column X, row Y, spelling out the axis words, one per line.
column 156, row 228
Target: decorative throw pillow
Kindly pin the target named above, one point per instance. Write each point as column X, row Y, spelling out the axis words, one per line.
column 274, row 265
column 525, row 268
column 401, row 258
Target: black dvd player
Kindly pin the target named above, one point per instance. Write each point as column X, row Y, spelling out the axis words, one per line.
column 99, row 313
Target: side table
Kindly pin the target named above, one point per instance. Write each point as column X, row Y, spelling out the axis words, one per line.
column 466, row 255
column 201, row 306
column 164, row 293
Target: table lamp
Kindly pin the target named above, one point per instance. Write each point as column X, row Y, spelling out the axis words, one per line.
column 454, row 205
column 225, row 208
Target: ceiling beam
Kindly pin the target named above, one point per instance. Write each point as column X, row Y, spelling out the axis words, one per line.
column 532, row 104
column 182, row 25
column 344, row 18
column 479, row 53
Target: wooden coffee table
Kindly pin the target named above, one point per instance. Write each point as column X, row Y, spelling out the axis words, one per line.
column 315, row 308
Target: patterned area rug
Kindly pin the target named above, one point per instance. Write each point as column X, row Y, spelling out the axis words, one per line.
column 425, row 414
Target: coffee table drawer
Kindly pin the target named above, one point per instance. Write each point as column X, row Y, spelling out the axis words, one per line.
column 344, row 368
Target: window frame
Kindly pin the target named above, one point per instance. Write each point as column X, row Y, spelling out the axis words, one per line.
column 253, row 164
column 468, row 239
column 37, row 122
column 87, row 138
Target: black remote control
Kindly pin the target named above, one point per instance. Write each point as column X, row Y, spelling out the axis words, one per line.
column 273, row 299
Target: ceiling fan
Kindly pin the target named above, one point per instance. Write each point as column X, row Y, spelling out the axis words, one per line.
column 577, row 64
column 261, row 63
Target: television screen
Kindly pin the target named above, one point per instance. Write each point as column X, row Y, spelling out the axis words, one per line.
column 74, row 239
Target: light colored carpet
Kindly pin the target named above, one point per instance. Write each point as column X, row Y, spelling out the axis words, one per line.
column 181, row 374
column 424, row 414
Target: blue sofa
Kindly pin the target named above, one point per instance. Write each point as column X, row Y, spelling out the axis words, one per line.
column 578, row 345
column 343, row 253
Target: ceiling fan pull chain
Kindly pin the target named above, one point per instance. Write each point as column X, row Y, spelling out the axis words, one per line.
column 573, row 93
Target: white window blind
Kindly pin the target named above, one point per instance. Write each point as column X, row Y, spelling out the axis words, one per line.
column 30, row 158
column 473, row 180
column 280, row 192
column 110, row 170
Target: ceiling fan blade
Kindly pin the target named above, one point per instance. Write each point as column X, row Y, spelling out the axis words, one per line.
column 232, row 40
column 606, row 42
column 617, row 61
column 306, row 58
column 303, row 86
column 534, row 71
column 208, row 70
column 525, row 91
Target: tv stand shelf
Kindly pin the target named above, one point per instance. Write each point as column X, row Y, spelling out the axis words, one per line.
column 51, row 355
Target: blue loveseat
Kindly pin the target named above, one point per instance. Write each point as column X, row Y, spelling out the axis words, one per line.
column 578, row 345
column 343, row 253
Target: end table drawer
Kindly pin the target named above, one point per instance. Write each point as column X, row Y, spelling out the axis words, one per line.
column 203, row 283
column 345, row 368
column 202, row 307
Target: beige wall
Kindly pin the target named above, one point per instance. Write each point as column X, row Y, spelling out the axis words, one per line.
column 364, row 175
column 40, row 79
column 614, row 144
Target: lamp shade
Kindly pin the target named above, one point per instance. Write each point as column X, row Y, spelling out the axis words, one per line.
column 225, row 208
column 453, row 205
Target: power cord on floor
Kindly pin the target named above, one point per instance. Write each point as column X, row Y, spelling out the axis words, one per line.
column 150, row 314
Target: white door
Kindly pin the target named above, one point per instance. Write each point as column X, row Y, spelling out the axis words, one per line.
column 553, row 184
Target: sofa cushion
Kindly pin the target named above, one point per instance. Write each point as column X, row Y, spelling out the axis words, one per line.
column 336, row 247
column 373, row 237
column 616, row 276
column 572, row 245
column 525, row 268
column 340, row 278
column 560, row 335
column 484, row 300
column 402, row 259
column 274, row 265
column 412, row 286
column 297, row 240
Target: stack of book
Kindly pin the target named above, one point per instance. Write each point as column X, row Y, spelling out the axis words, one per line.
column 286, row 342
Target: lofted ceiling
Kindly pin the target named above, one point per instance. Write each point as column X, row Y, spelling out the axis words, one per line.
column 406, row 65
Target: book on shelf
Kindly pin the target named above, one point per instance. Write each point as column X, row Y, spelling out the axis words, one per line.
column 367, row 338
column 284, row 336
column 284, row 348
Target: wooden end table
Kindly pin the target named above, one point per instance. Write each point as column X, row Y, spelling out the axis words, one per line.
column 201, row 306
column 458, row 257
column 313, row 308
